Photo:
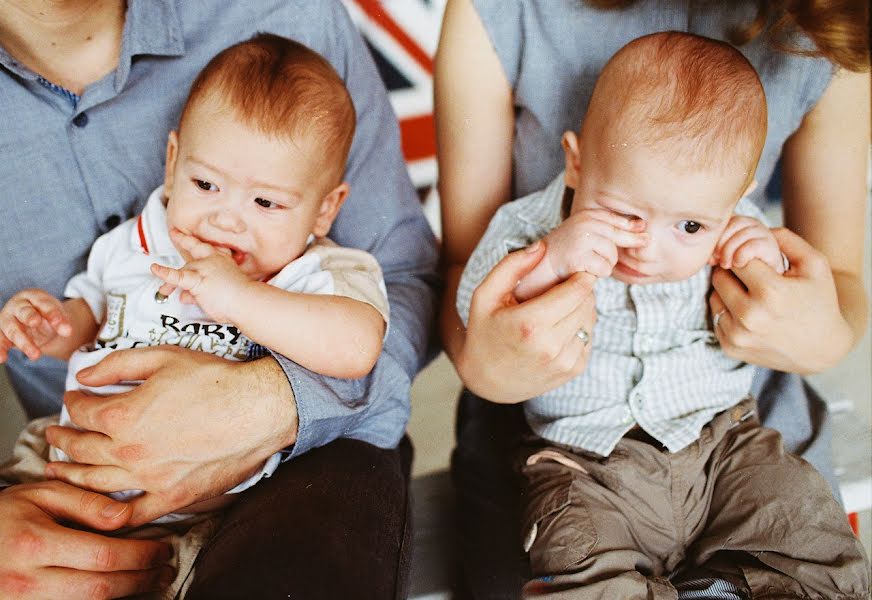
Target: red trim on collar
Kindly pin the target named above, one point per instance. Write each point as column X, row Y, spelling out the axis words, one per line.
column 142, row 241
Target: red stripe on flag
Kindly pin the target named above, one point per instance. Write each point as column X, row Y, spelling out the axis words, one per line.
column 418, row 137
column 378, row 15
column 141, row 234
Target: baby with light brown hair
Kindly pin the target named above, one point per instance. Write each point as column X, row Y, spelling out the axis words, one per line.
column 668, row 146
column 652, row 462
column 230, row 255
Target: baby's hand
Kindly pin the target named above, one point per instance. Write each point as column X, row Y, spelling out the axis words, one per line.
column 30, row 320
column 210, row 279
column 742, row 241
column 587, row 241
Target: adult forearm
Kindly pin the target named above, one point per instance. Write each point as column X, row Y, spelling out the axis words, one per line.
column 853, row 302
column 451, row 328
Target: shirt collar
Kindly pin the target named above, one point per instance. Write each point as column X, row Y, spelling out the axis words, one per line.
column 150, row 27
column 151, row 235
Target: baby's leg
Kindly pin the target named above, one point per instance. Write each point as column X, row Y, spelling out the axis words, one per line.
column 600, row 529
column 774, row 523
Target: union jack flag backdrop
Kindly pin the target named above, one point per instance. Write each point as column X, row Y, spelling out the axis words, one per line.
column 402, row 36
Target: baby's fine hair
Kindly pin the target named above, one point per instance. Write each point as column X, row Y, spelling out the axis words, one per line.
column 699, row 95
column 282, row 89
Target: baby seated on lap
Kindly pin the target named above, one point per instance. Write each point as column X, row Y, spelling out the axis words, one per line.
column 650, row 468
column 230, row 255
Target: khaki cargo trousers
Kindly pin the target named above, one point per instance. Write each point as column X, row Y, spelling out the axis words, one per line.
column 733, row 505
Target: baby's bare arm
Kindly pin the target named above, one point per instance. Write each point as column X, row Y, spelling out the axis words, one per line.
column 331, row 335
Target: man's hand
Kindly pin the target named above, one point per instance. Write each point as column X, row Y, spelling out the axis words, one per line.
column 197, row 426
column 586, row 242
column 44, row 559
column 29, row 321
column 745, row 239
column 210, row 279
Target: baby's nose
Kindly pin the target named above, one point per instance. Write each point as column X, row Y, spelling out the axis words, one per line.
column 227, row 219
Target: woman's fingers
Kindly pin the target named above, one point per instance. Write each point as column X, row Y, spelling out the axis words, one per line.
column 501, row 281
column 804, row 259
column 560, row 301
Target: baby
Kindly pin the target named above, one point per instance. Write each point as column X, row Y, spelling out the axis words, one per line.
column 652, row 461
column 229, row 256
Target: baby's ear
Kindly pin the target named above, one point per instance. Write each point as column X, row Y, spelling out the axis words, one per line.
column 569, row 141
column 172, row 156
column 330, row 205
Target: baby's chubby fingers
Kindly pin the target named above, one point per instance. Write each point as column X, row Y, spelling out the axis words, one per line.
column 17, row 334
column 623, row 231
column 184, row 278
column 41, row 307
column 737, row 247
column 195, row 247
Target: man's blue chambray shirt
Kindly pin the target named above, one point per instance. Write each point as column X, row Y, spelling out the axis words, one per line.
column 70, row 173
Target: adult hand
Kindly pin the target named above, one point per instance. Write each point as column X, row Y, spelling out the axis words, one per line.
column 197, row 426
column 789, row 322
column 42, row 558
column 513, row 351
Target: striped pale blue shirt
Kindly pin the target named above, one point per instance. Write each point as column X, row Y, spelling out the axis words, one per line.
column 655, row 360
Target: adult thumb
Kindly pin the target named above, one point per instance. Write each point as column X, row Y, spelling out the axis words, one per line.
column 802, row 256
column 503, row 278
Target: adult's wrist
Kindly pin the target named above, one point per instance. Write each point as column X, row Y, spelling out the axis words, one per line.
column 269, row 388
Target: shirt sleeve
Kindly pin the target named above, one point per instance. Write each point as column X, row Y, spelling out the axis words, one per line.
column 88, row 284
column 383, row 216
column 354, row 274
column 505, row 233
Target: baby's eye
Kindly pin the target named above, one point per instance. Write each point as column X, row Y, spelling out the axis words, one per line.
column 689, row 226
column 205, row 185
column 265, row 203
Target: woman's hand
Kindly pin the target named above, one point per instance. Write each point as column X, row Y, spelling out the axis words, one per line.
column 789, row 322
column 514, row 352
column 44, row 559
column 197, row 426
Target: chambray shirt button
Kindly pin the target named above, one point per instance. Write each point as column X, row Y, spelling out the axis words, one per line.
column 80, row 120
column 112, row 221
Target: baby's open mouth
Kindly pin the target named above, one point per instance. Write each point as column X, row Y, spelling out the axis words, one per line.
column 238, row 256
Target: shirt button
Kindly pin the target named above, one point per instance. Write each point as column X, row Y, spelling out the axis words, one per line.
column 80, row 120
column 112, row 221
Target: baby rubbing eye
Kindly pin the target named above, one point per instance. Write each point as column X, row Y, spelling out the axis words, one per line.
column 264, row 203
column 689, row 226
column 206, row 186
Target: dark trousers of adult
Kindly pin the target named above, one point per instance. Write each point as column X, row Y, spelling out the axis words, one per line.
column 333, row 523
column 492, row 564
